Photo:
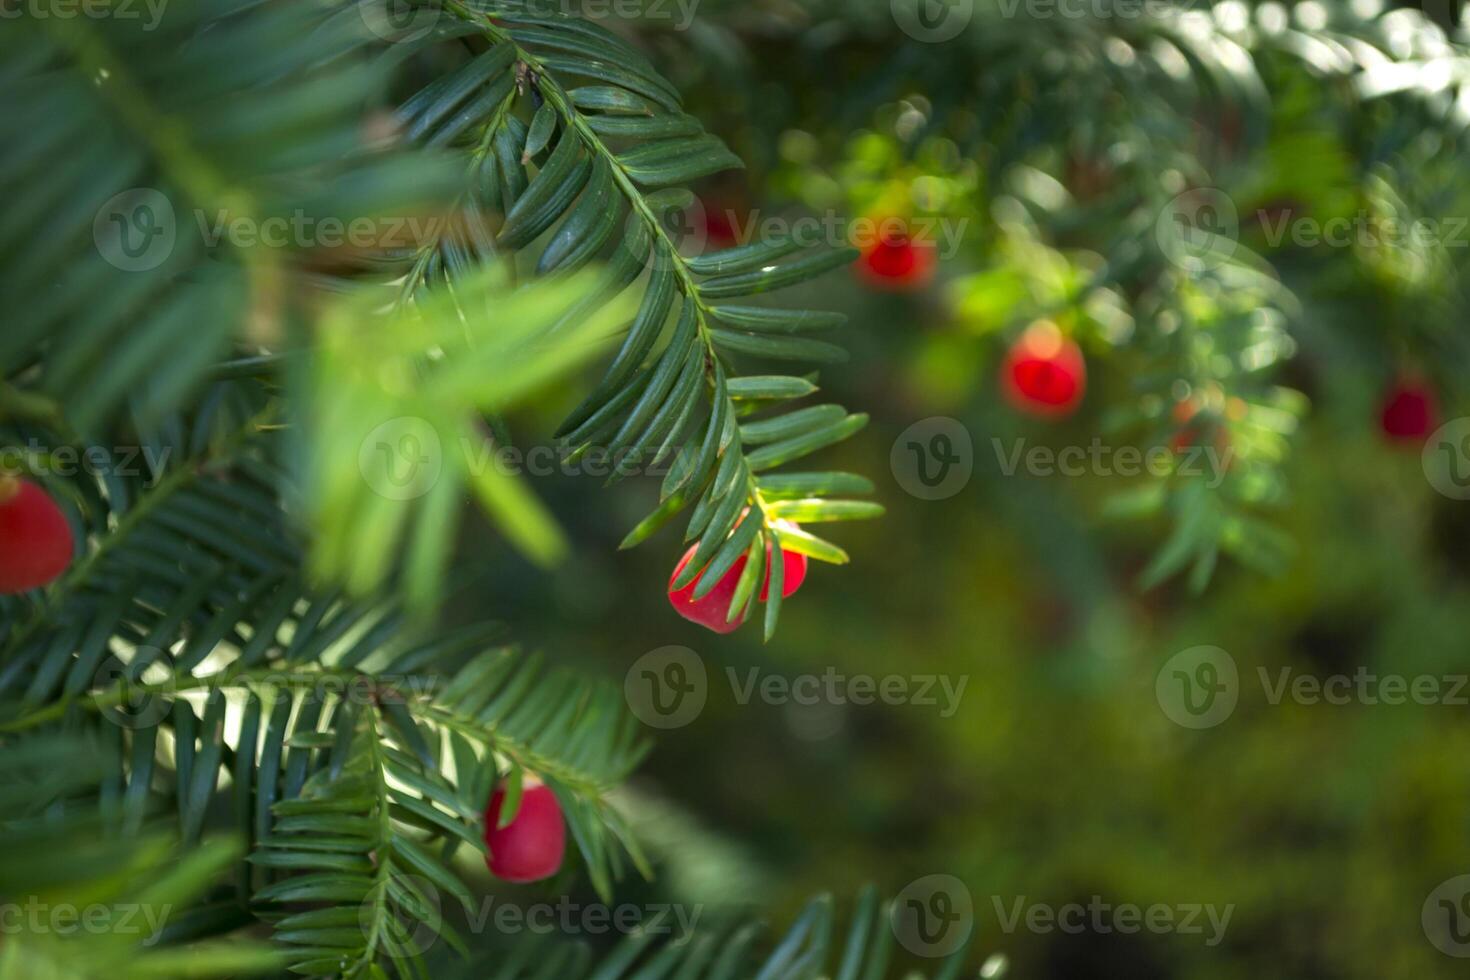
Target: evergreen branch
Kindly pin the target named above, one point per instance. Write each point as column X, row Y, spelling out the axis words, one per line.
column 647, row 403
column 349, row 846
column 168, row 151
column 124, row 524
column 577, row 737
column 68, row 853
column 813, row 947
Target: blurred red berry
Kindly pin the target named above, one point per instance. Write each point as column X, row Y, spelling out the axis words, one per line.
column 1044, row 373
column 897, row 263
column 719, row 228
column 712, row 610
column 35, row 539
column 1409, row 412
column 532, row 845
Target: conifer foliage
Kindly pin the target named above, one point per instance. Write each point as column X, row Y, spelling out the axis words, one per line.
column 234, row 624
column 275, row 275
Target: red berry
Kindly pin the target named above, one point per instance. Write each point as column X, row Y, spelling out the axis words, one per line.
column 720, row 230
column 897, row 263
column 1044, row 373
column 35, row 538
column 1409, row 412
column 532, row 845
column 711, row 611
column 793, row 573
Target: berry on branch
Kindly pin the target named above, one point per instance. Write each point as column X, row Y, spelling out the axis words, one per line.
column 532, row 845
column 35, row 538
column 712, row 611
column 1044, row 373
column 1409, row 411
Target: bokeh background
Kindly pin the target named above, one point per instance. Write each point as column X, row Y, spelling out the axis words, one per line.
column 1325, row 827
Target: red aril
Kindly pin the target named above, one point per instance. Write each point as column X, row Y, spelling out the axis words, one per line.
column 712, row 611
column 532, row 845
column 1409, row 412
column 1044, row 373
column 35, row 539
column 897, row 263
